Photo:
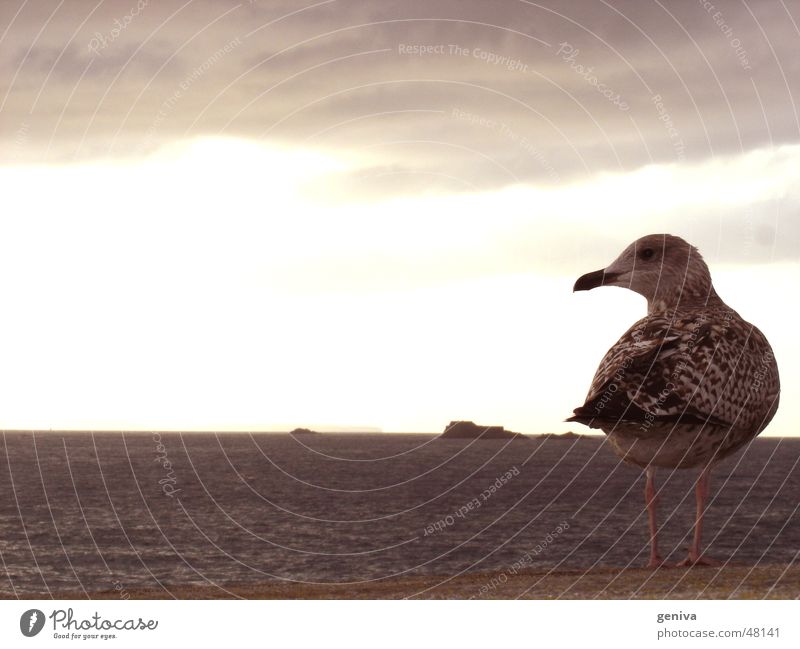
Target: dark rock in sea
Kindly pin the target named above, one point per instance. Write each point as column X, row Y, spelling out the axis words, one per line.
column 470, row 430
column 304, row 431
column 567, row 435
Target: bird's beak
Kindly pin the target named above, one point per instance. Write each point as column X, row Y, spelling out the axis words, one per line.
column 593, row 280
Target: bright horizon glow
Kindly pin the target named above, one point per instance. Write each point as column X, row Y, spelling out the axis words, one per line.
column 227, row 285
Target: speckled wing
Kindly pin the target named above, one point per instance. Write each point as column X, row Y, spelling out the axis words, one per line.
column 704, row 366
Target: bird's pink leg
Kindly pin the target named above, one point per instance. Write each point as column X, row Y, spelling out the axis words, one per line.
column 695, row 557
column 651, row 500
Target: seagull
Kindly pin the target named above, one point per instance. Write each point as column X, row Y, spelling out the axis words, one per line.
column 687, row 385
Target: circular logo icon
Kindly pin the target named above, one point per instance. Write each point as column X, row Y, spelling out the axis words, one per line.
column 31, row 622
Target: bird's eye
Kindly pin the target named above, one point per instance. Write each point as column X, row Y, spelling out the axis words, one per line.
column 647, row 253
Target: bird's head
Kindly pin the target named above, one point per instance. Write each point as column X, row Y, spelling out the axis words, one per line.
column 663, row 268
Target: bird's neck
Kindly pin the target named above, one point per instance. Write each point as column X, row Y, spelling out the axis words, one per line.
column 684, row 297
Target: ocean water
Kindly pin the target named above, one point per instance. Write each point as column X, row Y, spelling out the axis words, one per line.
column 81, row 512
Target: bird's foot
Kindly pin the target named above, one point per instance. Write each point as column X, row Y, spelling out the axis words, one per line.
column 657, row 562
column 698, row 560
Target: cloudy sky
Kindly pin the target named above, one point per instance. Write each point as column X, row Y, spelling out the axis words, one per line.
column 255, row 215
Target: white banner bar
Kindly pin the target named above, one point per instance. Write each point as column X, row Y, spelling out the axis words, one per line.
column 400, row 624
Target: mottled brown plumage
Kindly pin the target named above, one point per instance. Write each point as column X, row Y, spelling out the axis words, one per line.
column 690, row 383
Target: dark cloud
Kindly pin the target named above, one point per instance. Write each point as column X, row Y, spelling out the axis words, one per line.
column 527, row 75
